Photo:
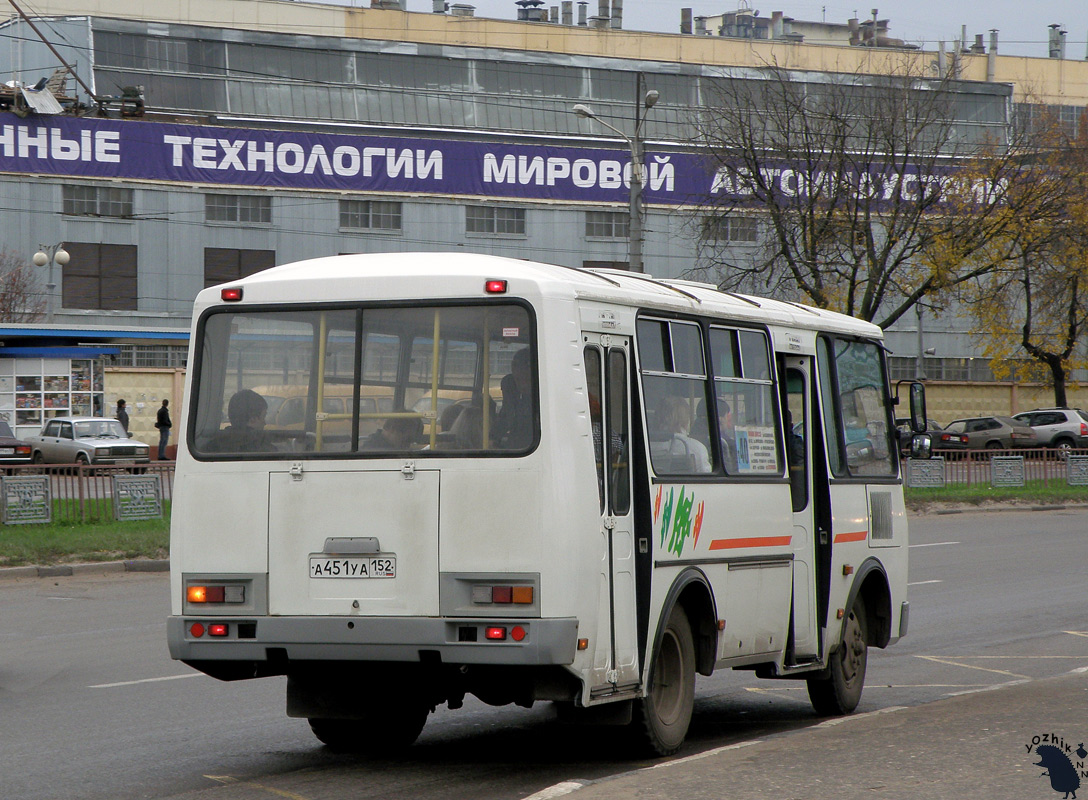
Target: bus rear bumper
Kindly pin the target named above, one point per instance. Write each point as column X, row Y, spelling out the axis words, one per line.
column 265, row 641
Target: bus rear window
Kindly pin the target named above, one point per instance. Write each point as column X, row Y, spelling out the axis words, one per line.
column 370, row 382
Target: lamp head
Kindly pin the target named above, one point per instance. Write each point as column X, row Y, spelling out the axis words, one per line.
column 61, row 257
column 584, row 111
column 40, row 259
column 650, row 100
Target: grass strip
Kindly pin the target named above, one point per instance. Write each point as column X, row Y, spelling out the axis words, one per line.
column 62, row 543
column 1031, row 493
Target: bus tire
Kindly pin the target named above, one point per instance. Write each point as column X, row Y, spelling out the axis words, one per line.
column 383, row 733
column 839, row 691
column 661, row 719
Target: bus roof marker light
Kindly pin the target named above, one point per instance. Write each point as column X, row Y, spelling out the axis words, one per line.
column 231, row 294
column 493, row 287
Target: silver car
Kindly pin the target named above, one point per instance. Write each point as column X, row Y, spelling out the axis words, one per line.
column 86, row 440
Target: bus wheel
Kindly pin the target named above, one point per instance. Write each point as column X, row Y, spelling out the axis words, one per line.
column 662, row 717
column 840, row 691
column 380, row 734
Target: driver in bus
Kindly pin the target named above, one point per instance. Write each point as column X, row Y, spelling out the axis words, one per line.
column 245, row 434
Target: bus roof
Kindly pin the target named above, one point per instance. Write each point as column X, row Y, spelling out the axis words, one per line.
column 393, row 276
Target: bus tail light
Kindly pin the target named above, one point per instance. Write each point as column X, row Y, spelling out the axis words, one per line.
column 218, row 629
column 495, row 633
column 228, row 593
column 503, row 595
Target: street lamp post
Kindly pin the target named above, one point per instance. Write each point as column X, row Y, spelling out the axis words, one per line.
column 51, row 254
column 634, row 141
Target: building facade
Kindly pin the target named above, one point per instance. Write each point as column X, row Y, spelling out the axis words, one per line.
column 280, row 131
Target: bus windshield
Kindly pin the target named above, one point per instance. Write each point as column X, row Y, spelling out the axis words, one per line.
column 372, row 382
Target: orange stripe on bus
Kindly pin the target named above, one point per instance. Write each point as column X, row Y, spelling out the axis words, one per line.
column 856, row 536
column 756, row 541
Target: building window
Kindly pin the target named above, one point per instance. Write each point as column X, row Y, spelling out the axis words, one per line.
column 244, row 208
column 148, row 355
column 371, row 214
column 100, row 276
column 607, row 224
column 97, row 201
column 225, row 264
column 495, row 220
column 731, row 229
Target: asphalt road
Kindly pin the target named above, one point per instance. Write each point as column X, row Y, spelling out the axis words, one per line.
column 92, row 706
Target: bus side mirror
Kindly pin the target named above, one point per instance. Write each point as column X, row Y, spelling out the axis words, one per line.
column 921, row 446
column 916, row 398
column 918, row 416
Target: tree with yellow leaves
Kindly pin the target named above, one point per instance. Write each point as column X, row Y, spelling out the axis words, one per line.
column 1034, row 300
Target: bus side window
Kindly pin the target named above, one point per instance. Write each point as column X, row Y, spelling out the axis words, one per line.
column 593, row 386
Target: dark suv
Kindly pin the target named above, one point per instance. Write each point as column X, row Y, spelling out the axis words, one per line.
column 1064, row 429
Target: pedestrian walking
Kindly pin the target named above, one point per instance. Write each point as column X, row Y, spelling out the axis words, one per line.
column 163, row 423
column 122, row 415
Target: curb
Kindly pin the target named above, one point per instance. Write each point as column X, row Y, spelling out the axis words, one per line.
column 82, row 570
column 972, row 509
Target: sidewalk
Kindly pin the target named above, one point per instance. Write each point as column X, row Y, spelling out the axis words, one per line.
column 968, row 746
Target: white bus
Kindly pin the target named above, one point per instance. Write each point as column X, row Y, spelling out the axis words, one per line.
column 581, row 486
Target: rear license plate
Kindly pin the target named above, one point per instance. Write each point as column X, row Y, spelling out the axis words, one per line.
column 7, row 451
column 353, row 567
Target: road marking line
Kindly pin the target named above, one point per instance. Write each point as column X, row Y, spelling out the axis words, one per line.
column 923, row 583
column 146, row 680
column 705, row 754
column 969, row 666
column 932, row 544
column 1077, row 633
column 992, row 688
column 229, row 779
column 558, row 790
column 1008, row 656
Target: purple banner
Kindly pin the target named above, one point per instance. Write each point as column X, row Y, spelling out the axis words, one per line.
column 104, row 148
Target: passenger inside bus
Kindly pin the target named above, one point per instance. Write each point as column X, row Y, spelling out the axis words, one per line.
column 398, row 433
column 514, row 424
column 245, row 434
column 728, row 436
column 678, row 452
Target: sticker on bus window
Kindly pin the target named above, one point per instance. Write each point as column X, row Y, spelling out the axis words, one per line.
column 510, row 333
column 756, row 450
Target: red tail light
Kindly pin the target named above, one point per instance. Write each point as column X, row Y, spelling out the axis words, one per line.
column 498, row 634
column 1083, row 429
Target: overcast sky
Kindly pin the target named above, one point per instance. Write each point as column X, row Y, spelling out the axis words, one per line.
column 1022, row 25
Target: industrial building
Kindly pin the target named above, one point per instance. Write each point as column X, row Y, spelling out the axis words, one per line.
column 215, row 140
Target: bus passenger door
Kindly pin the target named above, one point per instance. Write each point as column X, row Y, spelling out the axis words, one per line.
column 615, row 663
column 799, row 426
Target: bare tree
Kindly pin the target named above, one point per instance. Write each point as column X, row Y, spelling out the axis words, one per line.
column 22, row 298
column 860, row 185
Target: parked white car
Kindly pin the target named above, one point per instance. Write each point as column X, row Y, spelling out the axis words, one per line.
column 86, row 440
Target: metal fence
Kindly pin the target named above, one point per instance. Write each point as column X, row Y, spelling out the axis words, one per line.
column 82, row 494
column 1047, row 466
